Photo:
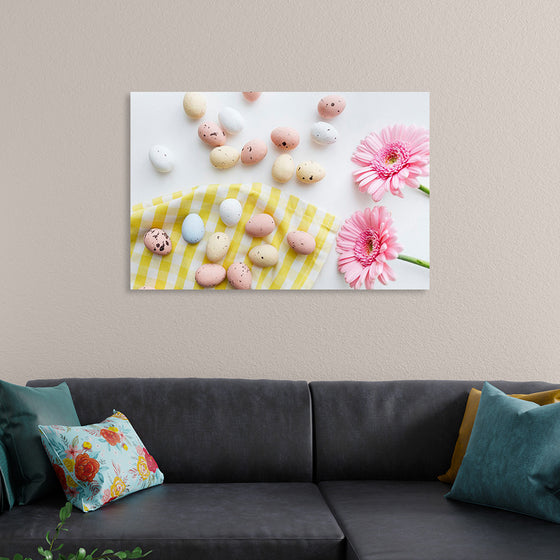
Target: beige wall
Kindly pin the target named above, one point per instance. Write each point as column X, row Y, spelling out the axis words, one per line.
column 493, row 72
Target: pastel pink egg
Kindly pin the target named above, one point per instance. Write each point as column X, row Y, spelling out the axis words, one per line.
column 301, row 242
column 158, row 242
column 260, row 225
column 253, row 152
column 285, row 138
column 252, row 95
column 331, row 106
column 239, row 276
column 211, row 133
column 210, row 275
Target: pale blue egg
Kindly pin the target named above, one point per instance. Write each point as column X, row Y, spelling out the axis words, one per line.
column 192, row 229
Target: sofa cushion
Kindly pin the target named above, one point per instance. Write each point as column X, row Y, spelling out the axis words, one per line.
column 209, row 430
column 513, row 457
column 100, row 463
column 410, row 520
column 21, row 410
column 276, row 521
column 399, row 430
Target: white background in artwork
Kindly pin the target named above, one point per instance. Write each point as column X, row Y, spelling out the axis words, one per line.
column 159, row 118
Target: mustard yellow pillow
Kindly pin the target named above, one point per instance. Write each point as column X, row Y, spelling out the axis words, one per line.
column 541, row 398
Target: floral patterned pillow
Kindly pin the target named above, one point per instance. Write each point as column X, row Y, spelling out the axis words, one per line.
column 99, row 463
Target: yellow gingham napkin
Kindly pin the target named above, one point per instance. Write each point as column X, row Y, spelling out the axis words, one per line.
column 176, row 271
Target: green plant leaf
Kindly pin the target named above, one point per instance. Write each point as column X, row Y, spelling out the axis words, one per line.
column 81, row 554
column 104, row 553
column 121, row 555
column 18, row 557
column 58, row 547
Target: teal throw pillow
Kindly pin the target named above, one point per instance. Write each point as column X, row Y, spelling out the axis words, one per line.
column 21, row 410
column 513, row 457
column 100, row 463
column 7, row 498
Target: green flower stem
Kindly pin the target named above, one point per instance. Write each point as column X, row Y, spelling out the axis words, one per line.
column 414, row 260
column 424, row 189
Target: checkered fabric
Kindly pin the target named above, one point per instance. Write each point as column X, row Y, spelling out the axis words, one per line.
column 176, row 271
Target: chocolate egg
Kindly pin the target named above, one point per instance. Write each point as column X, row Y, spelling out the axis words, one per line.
column 158, row 242
column 264, row 255
column 323, row 133
column 239, row 276
column 231, row 120
column 194, row 104
column 210, row 275
column 260, row 225
column 283, row 168
column 252, row 95
column 301, row 242
column 285, row 138
column 162, row 158
column 330, row 106
column 211, row 133
column 310, row 172
column 253, row 152
column 230, row 211
column 217, row 246
column 224, row 157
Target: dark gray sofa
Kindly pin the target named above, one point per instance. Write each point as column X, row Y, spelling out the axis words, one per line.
column 285, row 470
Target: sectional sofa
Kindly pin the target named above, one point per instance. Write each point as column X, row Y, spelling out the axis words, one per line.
column 285, row 470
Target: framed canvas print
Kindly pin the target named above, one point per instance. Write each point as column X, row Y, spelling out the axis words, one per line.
column 279, row 190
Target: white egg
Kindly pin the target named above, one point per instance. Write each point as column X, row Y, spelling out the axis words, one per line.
column 231, row 120
column 162, row 158
column 324, row 133
column 230, row 211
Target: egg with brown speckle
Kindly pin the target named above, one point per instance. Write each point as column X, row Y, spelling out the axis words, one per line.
column 285, row 138
column 264, row 255
column 211, row 133
column 210, row 275
column 224, row 157
column 252, row 95
column 331, row 106
column 310, row 172
column 301, row 242
column 194, row 104
column 260, row 225
column 239, row 276
column 253, row 152
column 158, row 242
column 217, row 246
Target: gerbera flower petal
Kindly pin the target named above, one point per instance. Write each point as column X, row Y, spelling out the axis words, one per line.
column 365, row 242
column 389, row 159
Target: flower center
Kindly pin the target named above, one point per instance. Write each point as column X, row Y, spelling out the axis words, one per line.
column 391, row 159
column 366, row 247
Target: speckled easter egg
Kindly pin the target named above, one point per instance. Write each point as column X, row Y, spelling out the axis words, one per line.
column 192, row 229
column 310, row 172
column 252, row 95
column 323, row 133
column 162, row 158
column 285, row 138
column 217, row 246
column 331, row 106
column 253, row 152
column 231, row 120
column 210, row 275
column 301, row 242
column 264, row 255
column 224, row 157
column 194, row 104
column 211, row 133
column 283, row 168
column 158, row 242
column 239, row 276
column 230, row 211
column 260, row 225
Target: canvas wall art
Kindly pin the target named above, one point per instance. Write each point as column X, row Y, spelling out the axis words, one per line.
column 279, row 191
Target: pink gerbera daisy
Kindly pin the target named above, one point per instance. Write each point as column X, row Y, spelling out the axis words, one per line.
column 366, row 241
column 395, row 157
